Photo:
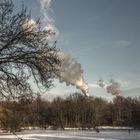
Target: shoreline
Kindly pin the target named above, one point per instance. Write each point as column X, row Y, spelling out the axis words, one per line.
column 39, row 131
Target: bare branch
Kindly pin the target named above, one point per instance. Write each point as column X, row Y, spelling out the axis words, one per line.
column 25, row 53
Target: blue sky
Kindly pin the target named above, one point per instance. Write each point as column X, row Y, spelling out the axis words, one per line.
column 102, row 35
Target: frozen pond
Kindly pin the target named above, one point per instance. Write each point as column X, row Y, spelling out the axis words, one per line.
column 75, row 135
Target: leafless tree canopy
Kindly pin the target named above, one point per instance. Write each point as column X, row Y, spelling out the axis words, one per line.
column 25, row 53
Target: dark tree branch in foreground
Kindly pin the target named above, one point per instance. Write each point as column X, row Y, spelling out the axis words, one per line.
column 25, row 53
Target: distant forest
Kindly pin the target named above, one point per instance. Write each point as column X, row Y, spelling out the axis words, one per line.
column 76, row 111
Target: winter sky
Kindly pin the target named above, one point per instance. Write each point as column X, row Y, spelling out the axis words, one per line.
column 102, row 35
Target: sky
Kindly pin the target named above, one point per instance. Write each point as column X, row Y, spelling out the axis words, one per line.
column 102, row 35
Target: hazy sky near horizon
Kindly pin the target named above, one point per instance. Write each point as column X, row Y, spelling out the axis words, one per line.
column 102, row 35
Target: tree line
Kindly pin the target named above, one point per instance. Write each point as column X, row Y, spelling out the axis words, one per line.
column 76, row 111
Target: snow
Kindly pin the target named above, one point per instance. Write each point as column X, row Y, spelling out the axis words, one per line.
column 75, row 135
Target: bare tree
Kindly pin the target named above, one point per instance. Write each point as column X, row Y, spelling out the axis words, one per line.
column 25, row 53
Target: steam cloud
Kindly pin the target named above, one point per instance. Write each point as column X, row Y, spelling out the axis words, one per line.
column 30, row 25
column 46, row 10
column 101, row 83
column 70, row 71
column 113, row 87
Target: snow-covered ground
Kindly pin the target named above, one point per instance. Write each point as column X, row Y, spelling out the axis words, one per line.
column 75, row 135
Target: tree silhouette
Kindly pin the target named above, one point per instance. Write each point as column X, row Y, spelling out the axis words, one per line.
column 25, row 53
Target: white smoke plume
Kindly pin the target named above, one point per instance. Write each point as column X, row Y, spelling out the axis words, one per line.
column 113, row 87
column 72, row 73
column 101, row 83
column 53, row 33
column 46, row 10
column 30, row 25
